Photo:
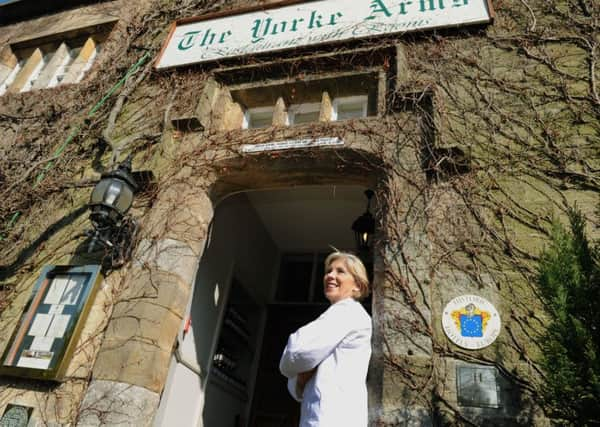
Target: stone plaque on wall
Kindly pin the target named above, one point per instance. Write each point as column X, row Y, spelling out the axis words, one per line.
column 477, row 386
column 45, row 337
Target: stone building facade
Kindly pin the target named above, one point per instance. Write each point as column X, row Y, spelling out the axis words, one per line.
column 473, row 136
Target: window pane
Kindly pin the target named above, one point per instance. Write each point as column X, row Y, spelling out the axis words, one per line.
column 260, row 119
column 350, row 110
column 304, row 113
column 309, row 117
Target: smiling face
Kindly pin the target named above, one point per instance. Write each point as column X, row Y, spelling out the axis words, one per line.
column 338, row 282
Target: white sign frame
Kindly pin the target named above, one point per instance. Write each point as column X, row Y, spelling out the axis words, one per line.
column 292, row 24
column 477, row 311
column 291, row 144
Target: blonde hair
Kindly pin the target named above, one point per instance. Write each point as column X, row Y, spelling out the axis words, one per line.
column 355, row 267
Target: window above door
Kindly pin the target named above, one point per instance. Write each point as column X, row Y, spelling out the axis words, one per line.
column 308, row 100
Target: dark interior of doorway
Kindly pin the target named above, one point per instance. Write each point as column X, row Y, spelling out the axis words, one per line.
column 272, row 405
column 274, row 289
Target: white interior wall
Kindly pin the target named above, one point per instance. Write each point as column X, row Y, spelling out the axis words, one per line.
column 238, row 246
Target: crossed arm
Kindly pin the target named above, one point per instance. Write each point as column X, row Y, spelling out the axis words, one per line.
column 311, row 344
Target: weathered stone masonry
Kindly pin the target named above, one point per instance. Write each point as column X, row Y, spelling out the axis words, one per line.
column 482, row 135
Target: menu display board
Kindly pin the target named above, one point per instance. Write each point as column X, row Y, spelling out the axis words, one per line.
column 46, row 335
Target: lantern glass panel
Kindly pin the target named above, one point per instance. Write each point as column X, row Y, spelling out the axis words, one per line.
column 113, row 192
column 125, row 199
column 97, row 196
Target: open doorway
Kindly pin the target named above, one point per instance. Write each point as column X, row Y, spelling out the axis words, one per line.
column 260, row 278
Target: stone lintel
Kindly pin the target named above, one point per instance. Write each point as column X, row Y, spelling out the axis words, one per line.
column 72, row 22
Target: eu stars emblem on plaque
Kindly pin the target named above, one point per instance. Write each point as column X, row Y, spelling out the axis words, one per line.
column 471, row 322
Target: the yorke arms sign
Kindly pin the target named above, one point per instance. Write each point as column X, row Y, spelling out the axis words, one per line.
column 308, row 23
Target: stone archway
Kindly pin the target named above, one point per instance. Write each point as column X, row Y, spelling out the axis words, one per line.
column 131, row 368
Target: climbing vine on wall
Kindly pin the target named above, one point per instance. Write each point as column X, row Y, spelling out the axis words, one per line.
column 490, row 133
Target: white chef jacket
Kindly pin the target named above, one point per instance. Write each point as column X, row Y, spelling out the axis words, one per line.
column 339, row 343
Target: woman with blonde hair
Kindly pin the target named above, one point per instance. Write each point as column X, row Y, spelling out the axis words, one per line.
column 326, row 361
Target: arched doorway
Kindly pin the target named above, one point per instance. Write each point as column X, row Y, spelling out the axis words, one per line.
column 258, row 280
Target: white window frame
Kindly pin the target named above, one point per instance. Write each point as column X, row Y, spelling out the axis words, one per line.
column 363, row 99
column 256, row 110
column 295, row 109
column 11, row 77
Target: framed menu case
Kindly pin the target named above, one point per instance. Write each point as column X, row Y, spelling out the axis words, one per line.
column 45, row 337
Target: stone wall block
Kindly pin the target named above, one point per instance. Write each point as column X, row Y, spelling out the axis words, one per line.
column 407, row 319
column 208, row 98
column 8, row 61
column 133, row 362
column 404, row 331
column 159, row 288
column 181, row 214
column 117, row 404
column 280, row 114
column 168, row 255
column 402, row 68
column 143, row 321
column 399, row 400
column 326, row 110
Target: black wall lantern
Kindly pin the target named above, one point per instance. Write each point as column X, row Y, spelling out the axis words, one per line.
column 110, row 201
column 364, row 226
